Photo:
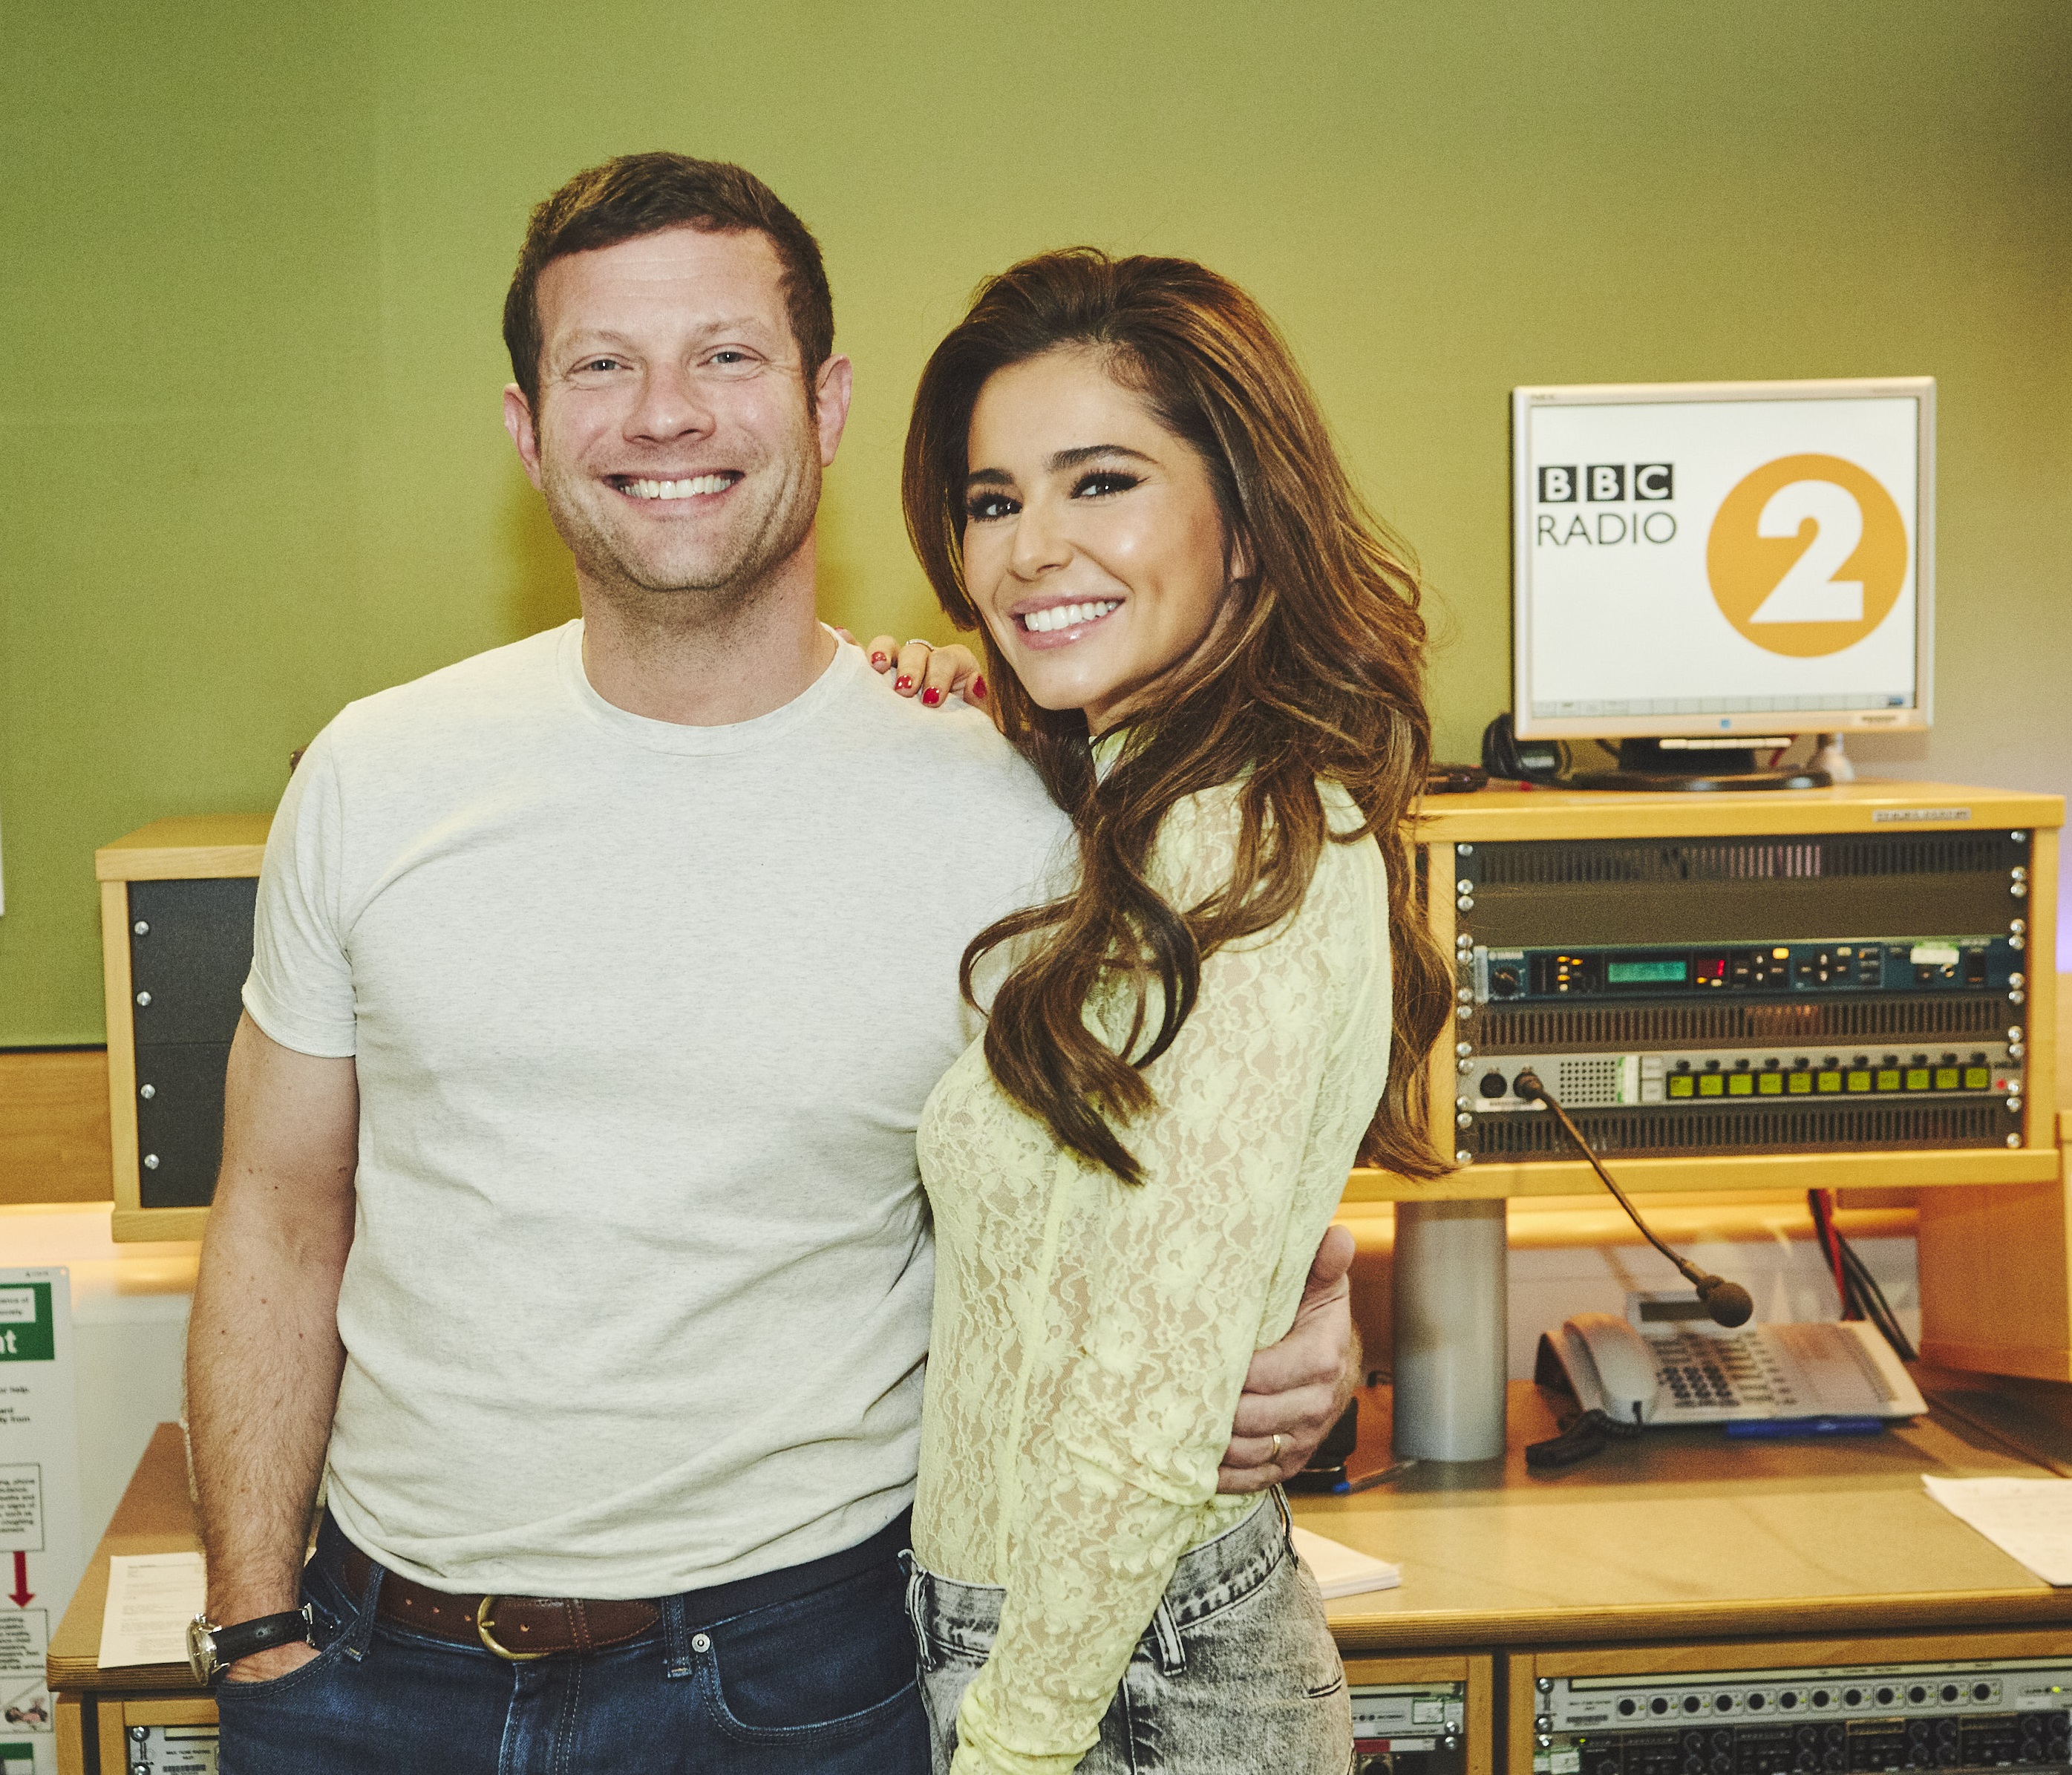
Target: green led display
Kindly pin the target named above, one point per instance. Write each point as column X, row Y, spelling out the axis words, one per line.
column 1644, row 973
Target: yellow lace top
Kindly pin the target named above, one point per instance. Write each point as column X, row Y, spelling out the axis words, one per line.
column 1090, row 1336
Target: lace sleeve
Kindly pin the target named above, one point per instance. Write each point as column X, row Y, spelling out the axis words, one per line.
column 1188, row 1273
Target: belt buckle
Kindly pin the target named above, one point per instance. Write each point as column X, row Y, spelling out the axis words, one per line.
column 484, row 1609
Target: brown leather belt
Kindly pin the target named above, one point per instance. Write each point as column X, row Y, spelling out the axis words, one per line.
column 515, row 1627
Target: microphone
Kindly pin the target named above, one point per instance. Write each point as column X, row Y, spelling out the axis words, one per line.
column 1728, row 1303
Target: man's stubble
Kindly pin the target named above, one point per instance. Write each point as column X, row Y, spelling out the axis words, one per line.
column 688, row 588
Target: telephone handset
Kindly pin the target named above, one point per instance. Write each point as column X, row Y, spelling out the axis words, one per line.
column 1608, row 1366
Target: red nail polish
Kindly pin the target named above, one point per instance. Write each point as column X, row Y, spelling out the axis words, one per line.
column 905, row 683
column 978, row 687
column 932, row 695
column 880, row 659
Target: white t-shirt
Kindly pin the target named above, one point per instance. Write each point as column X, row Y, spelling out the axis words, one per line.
column 644, row 1017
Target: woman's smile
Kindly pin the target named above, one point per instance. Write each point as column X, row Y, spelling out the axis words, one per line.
column 1060, row 624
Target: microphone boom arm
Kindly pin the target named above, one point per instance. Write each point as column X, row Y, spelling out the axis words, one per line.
column 1728, row 1302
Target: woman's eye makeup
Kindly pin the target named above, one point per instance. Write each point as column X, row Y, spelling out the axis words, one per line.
column 982, row 504
column 1098, row 481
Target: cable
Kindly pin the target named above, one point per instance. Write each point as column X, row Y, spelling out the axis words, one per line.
column 1821, row 1204
column 1873, row 1298
column 1860, row 1294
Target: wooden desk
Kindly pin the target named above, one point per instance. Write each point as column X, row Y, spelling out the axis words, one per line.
column 1672, row 1553
column 1649, row 1557
column 1679, row 1535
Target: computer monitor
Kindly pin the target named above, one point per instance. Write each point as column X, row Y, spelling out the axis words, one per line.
column 1722, row 560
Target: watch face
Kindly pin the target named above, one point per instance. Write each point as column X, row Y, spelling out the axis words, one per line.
column 201, row 1649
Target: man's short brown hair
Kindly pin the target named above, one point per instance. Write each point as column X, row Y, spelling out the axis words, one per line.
column 643, row 193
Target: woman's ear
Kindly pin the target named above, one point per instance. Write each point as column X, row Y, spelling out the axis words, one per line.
column 1241, row 559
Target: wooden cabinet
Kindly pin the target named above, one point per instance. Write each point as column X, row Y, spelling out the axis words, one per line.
column 176, row 901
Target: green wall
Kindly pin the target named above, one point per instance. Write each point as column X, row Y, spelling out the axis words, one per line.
column 251, row 464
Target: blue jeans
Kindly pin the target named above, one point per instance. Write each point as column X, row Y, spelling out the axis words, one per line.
column 1237, row 1670
column 820, row 1682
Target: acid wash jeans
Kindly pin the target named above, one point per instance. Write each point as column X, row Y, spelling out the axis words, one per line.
column 1237, row 1673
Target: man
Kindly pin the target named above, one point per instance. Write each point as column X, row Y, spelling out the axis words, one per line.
column 569, row 1224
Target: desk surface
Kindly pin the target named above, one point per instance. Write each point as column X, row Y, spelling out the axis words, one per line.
column 1682, row 1534
column 156, row 1515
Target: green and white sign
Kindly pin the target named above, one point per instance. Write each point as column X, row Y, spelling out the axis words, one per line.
column 41, row 1557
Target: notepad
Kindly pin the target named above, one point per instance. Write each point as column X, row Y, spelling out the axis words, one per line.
column 152, row 1598
column 2030, row 1520
column 1340, row 1571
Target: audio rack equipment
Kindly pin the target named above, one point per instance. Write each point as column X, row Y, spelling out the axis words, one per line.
column 1409, row 1728
column 1962, row 1715
column 1823, row 993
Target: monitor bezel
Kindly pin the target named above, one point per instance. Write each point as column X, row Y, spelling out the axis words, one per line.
column 1916, row 719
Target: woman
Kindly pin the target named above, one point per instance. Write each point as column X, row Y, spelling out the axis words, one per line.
column 1115, row 473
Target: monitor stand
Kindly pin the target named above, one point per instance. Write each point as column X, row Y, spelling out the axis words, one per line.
column 1696, row 765
column 1829, row 756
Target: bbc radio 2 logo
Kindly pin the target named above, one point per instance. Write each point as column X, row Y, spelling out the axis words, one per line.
column 1808, row 555
column 1603, row 484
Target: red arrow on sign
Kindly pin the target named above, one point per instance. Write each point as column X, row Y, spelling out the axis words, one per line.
column 21, row 1595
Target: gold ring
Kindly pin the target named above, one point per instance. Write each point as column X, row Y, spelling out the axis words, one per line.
column 482, row 1626
column 1280, row 1442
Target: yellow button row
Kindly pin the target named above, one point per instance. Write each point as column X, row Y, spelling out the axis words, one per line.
column 1802, row 1084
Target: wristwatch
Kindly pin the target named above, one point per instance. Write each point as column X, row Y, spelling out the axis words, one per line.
column 210, row 1647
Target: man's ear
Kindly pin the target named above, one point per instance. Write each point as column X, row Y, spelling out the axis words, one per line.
column 518, row 421
column 830, row 393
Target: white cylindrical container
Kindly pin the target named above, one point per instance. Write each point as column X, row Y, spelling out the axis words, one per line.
column 1451, row 1275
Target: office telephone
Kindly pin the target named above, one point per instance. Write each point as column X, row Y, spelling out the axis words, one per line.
column 1689, row 1371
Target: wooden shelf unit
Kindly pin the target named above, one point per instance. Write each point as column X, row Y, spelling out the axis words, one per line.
column 1991, row 1215
column 190, row 848
column 1881, row 809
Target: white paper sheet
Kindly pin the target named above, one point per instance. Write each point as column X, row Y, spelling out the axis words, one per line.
column 1341, row 1572
column 152, row 1598
column 2027, row 1519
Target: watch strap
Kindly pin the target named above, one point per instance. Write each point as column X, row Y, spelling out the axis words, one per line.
column 292, row 1627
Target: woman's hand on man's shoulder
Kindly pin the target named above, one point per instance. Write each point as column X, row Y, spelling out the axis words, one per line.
column 922, row 671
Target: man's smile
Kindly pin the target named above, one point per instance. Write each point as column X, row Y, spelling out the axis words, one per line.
column 697, row 487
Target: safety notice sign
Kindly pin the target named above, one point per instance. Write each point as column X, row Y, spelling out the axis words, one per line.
column 41, row 1554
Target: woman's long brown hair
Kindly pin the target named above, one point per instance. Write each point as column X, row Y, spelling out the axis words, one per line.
column 1315, row 671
